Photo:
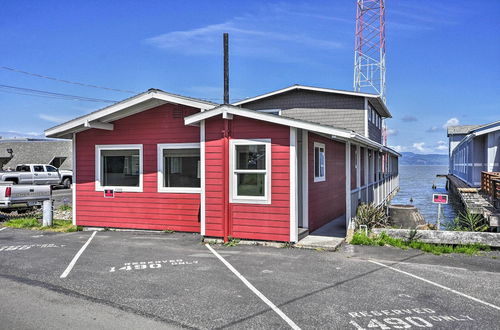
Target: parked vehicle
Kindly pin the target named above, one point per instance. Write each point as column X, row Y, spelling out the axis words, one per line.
column 38, row 174
column 22, row 197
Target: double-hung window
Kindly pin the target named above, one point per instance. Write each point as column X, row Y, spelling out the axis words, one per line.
column 250, row 166
column 179, row 168
column 319, row 162
column 119, row 167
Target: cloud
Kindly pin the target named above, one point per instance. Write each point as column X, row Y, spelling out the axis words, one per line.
column 53, row 119
column 451, row 122
column 398, row 148
column 409, row 118
column 271, row 33
column 392, row 132
column 16, row 135
column 433, row 129
column 420, row 147
column 441, row 148
column 206, row 40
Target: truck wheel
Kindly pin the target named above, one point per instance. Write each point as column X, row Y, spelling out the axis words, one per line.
column 13, row 181
column 67, row 183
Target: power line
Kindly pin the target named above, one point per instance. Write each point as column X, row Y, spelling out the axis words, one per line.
column 40, row 93
column 65, row 81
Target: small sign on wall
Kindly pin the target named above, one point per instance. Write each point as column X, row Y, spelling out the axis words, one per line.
column 109, row 193
column 440, row 198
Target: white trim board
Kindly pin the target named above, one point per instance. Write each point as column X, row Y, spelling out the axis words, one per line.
column 202, row 181
column 99, row 147
column 294, row 217
column 233, row 197
column 160, row 175
column 331, row 132
column 141, row 102
column 305, row 179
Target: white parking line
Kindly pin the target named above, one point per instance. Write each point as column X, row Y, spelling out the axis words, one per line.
column 3, row 228
column 75, row 258
column 438, row 285
column 254, row 290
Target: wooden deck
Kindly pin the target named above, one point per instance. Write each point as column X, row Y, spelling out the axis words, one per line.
column 477, row 201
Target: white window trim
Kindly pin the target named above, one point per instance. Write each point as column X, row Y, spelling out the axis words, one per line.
column 318, row 178
column 178, row 190
column 233, row 198
column 99, row 148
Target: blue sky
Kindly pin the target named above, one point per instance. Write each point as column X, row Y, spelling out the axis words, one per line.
column 442, row 57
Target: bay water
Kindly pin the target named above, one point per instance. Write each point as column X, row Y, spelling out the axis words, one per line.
column 416, row 188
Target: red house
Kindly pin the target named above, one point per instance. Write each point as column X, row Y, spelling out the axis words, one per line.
column 267, row 168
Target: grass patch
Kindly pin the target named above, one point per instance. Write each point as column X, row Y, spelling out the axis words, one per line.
column 232, row 241
column 383, row 239
column 65, row 226
column 64, row 207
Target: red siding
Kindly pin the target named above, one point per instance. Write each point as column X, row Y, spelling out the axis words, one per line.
column 249, row 221
column 149, row 209
column 326, row 199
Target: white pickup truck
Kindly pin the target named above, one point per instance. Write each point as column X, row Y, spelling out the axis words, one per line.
column 38, row 174
column 22, row 197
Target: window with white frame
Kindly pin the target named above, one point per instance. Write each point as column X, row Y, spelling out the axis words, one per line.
column 179, row 167
column 119, row 167
column 319, row 162
column 250, row 166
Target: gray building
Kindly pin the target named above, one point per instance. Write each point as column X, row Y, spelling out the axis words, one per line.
column 41, row 151
column 359, row 112
column 473, row 149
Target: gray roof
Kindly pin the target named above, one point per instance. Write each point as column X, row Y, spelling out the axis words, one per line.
column 462, row 129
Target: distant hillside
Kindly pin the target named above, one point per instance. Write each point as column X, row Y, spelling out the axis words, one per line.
column 410, row 158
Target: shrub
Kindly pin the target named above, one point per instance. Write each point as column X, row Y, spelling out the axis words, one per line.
column 467, row 221
column 371, row 216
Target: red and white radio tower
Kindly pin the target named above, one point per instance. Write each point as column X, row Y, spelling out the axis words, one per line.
column 369, row 52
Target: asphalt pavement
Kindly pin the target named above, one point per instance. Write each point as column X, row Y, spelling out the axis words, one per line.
column 161, row 280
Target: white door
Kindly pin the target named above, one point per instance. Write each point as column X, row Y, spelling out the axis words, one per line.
column 52, row 175
column 39, row 175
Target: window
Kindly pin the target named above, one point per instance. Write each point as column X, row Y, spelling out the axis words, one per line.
column 38, row 168
column 23, row 168
column 319, row 162
column 179, row 168
column 119, row 167
column 250, row 163
column 50, row 168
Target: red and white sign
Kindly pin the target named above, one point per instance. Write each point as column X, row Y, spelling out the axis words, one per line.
column 440, row 198
column 109, row 193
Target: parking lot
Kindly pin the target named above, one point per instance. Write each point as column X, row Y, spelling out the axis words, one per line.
column 153, row 280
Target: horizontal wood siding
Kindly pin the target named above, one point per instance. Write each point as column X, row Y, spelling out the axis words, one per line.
column 139, row 210
column 327, row 198
column 249, row 221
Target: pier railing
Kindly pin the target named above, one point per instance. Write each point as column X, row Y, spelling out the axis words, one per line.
column 490, row 184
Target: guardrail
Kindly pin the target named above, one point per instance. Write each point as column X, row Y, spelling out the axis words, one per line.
column 490, row 184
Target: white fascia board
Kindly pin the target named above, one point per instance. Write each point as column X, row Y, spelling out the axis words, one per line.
column 252, row 114
column 487, row 129
column 99, row 125
column 119, row 110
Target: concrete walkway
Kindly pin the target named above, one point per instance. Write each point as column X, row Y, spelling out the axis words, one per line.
column 329, row 237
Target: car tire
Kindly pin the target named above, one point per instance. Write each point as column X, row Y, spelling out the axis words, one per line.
column 67, row 183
